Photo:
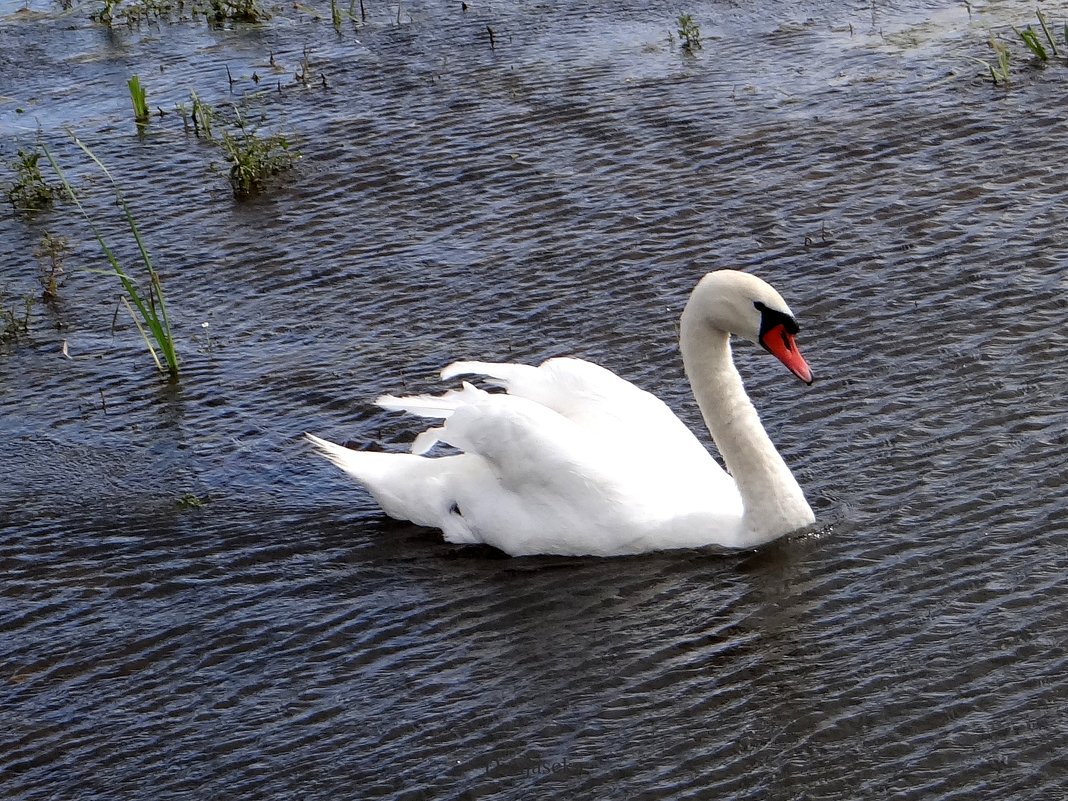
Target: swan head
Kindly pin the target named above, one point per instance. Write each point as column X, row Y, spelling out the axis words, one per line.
column 749, row 307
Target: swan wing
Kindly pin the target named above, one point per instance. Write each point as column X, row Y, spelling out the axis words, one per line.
column 613, row 409
column 530, row 480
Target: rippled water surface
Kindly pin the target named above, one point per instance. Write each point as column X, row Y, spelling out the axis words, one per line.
column 557, row 194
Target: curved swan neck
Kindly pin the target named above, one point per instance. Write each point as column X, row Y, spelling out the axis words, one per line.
column 773, row 501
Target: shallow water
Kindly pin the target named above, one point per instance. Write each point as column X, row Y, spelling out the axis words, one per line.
column 557, row 195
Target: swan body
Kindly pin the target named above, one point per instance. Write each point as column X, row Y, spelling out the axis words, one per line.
column 571, row 459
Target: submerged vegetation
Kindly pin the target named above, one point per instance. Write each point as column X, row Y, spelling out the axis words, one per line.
column 30, row 191
column 215, row 12
column 190, row 501
column 14, row 318
column 236, row 11
column 254, row 158
column 50, row 252
column 151, row 309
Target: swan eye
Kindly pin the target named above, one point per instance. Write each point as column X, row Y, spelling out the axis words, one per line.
column 770, row 318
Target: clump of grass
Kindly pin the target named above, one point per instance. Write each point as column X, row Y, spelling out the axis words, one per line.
column 253, row 159
column 236, row 11
column 198, row 116
column 50, row 252
column 999, row 69
column 13, row 323
column 304, row 76
column 689, row 33
column 30, row 191
column 190, row 501
column 139, row 100
column 105, row 15
column 1042, row 48
column 217, row 12
column 150, row 306
column 1001, row 53
column 1030, row 38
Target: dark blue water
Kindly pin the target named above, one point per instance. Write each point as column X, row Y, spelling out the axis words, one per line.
column 559, row 194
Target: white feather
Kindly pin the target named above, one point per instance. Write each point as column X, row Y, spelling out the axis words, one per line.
column 573, row 459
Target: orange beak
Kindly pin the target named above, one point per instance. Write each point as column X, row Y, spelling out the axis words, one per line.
column 780, row 343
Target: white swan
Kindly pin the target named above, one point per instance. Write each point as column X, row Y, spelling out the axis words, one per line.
column 574, row 460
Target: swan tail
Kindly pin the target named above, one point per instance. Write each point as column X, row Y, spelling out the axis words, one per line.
column 407, row 487
column 364, row 466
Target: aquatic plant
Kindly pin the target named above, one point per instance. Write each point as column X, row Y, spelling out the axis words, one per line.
column 30, row 191
column 135, row 12
column 50, row 252
column 253, row 159
column 689, row 33
column 202, row 117
column 140, row 103
column 220, row 11
column 1002, row 55
column 999, row 71
column 12, row 325
column 304, row 76
column 190, row 501
column 1049, row 36
column 150, row 306
column 1030, row 38
column 335, row 15
column 1043, row 51
column 106, row 13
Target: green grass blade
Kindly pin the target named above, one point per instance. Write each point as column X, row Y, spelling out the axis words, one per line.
column 158, row 323
column 1030, row 38
column 139, row 100
column 1045, row 30
column 144, row 336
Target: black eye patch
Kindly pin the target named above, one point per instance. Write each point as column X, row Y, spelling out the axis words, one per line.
column 770, row 318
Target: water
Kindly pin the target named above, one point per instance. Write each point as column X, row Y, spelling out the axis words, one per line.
column 557, row 195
